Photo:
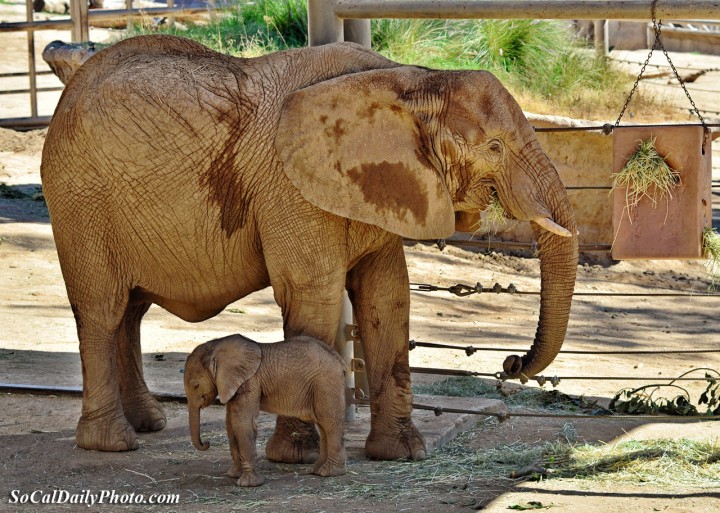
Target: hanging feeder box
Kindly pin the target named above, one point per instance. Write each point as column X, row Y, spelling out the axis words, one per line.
column 663, row 221
column 657, row 226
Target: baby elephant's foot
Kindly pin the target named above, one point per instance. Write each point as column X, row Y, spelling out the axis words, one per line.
column 250, row 479
column 234, row 471
column 328, row 469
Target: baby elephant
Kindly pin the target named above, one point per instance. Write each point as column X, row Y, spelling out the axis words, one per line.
column 300, row 377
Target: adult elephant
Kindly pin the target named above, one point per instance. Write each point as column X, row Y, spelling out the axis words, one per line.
column 178, row 176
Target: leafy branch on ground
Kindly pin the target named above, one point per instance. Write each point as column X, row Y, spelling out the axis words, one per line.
column 643, row 401
column 513, row 397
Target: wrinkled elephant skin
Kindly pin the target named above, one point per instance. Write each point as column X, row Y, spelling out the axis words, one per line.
column 178, row 176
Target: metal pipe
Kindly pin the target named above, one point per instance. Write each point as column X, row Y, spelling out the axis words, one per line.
column 26, row 123
column 12, row 388
column 323, row 25
column 344, row 346
column 104, row 15
column 524, row 9
column 37, row 90
column 31, row 61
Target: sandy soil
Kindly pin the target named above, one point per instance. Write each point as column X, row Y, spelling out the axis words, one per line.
column 38, row 345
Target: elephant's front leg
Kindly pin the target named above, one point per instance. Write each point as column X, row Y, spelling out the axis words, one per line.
column 379, row 287
column 240, row 421
column 309, row 308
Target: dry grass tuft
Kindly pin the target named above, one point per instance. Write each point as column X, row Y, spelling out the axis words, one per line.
column 646, row 175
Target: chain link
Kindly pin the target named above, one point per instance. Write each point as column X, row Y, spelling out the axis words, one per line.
column 657, row 28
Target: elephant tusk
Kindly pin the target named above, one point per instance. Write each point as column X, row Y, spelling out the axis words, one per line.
column 551, row 226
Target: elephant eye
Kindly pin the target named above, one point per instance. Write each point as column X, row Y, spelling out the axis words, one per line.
column 496, row 147
column 197, row 385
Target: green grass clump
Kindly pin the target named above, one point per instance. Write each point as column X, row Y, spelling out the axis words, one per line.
column 646, row 175
column 248, row 29
column 711, row 251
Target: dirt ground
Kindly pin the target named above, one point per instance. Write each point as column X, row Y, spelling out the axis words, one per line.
column 38, row 345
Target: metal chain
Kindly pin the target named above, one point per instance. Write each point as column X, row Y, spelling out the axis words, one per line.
column 463, row 290
column 657, row 27
column 471, row 350
column 505, row 415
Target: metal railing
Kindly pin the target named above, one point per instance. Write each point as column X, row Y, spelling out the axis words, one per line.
column 78, row 23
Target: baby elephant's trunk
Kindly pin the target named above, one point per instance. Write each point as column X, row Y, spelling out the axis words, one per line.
column 194, row 414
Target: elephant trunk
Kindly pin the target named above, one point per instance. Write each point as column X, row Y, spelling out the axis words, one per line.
column 194, row 415
column 558, row 248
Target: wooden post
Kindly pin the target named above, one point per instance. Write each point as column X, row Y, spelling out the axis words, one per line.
column 79, row 15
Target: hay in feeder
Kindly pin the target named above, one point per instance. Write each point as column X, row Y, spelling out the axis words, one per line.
column 646, row 175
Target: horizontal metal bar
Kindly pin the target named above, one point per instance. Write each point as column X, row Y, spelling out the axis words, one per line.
column 102, row 15
column 39, row 90
column 14, row 388
column 26, row 123
column 460, row 372
column 24, row 74
column 474, row 349
column 527, row 9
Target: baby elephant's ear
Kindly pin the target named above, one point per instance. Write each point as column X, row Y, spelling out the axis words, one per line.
column 353, row 146
column 235, row 361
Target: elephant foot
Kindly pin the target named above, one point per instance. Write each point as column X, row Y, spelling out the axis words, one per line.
column 106, row 434
column 144, row 413
column 293, row 441
column 234, row 471
column 329, row 469
column 248, row 479
column 402, row 441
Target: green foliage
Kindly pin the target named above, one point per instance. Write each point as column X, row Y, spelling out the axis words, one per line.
column 711, row 251
column 249, row 29
column 539, row 57
column 284, row 23
column 642, row 400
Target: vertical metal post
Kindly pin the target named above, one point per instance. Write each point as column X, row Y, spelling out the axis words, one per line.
column 129, row 22
column 602, row 46
column 344, row 346
column 31, row 60
column 81, row 26
column 358, row 31
column 323, row 26
column 171, row 19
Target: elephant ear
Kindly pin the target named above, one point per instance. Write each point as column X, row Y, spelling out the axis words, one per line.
column 355, row 148
column 236, row 360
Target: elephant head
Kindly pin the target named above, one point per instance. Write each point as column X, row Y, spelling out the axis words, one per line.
column 217, row 369
column 406, row 148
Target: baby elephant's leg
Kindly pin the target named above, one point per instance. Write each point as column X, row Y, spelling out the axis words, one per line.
column 242, row 411
column 330, row 412
column 332, row 461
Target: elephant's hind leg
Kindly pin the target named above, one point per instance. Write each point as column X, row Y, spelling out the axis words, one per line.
column 141, row 409
column 102, row 425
